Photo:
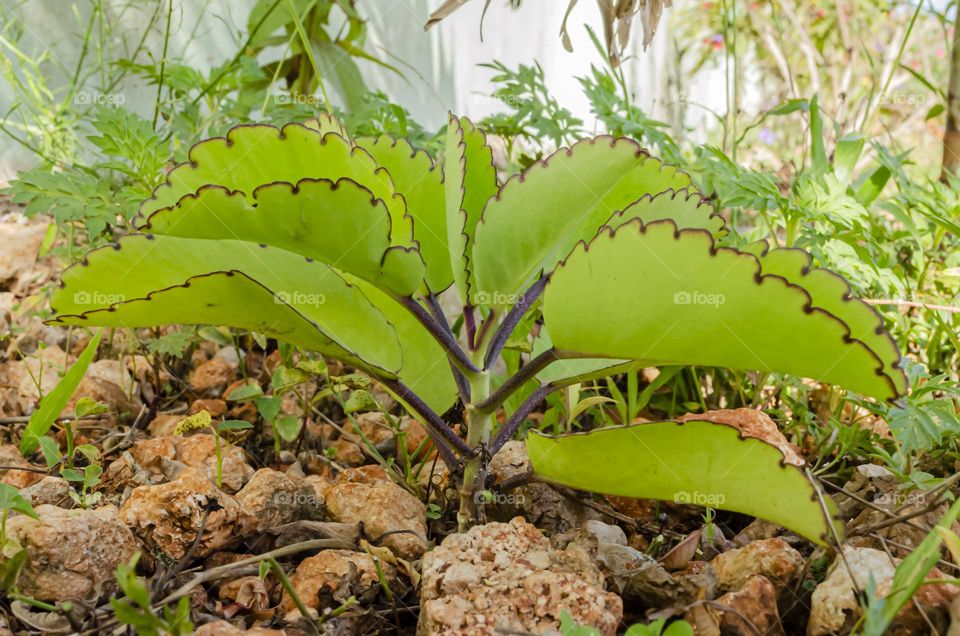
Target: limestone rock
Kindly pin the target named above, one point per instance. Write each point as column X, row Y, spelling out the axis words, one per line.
column 50, row 490
column 330, row 577
column 383, row 508
column 197, row 451
column 833, row 605
column 73, row 553
column 273, row 498
column 10, row 456
column 169, row 516
column 212, row 376
column 772, row 558
column 506, row 576
column 750, row 610
column 538, row 503
column 226, row 628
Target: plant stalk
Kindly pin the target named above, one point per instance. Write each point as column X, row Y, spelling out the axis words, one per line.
column 951, row 138
column 479, row 425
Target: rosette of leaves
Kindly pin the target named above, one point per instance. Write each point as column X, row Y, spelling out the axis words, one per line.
column 343, row 246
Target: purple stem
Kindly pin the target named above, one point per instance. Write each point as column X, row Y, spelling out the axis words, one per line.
column 469, row 323
column 511, row 320
column 463, row 386
column 517, row 380
column 445, row 338
column 511, row 425
column 444, row 438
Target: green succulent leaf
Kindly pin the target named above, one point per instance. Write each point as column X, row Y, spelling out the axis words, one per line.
column 688, row 209
column 564, row 370
column 147, row 281
column 327, row 123
column 425, row 368
column 253, row 155
column 311, row 218
column 538, row 216
column 421, row 183
column 696, row 462
column 470, row 181
column 670, row 296
column 830, row 292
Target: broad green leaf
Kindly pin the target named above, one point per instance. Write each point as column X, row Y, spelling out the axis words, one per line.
column 871, row 185
column 12, row 500
column 538, row 216
column 234, row 425
column 818, row 152
column 688, row 209
column 341, row 71
column 144, row 281
column 252, row 155
column 244, row 392
column 340, row 223
column 56, row 400
column 287, row 377
column 50, row 450
column 470, row 179
column 424, row 368
column 288, row 427
column 269, row 407
column 660, row 296
column 830, row 292
column 951, row 540
column 360, row 400
column 11, row 566
column 846, row 155
column 562, row 371
column 271, row 16
column 88, row 406
column 421, row 184
column 696, row 462
column 327, row 123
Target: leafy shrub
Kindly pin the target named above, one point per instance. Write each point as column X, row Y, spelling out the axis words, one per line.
column 343, row 245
